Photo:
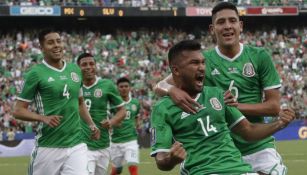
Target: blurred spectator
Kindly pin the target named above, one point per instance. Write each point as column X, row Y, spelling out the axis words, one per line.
column 10, row 134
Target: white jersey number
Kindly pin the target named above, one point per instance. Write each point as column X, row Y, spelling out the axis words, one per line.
column 208, row 128
column 65, row 92
column 88, row 104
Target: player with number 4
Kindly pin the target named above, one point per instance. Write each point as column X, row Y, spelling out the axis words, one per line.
column 55, row 88
column 202, row 139
column 98, row 93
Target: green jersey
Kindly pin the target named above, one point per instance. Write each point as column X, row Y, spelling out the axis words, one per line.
column 97, row 97
column 252, row 71
column 127, row 131
column 55, row 92
column 205, row 136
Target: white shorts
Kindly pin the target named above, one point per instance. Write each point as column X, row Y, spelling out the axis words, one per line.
column 267, row 161
column 128, row 152
column 55, row 161
column 98, row 161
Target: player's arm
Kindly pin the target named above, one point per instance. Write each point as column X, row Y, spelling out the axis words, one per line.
column 21, row 112
column 257, row 131
column 166, row 161
column 85, row 115
column 180, row 97
column 119, row 116
column 269, row 107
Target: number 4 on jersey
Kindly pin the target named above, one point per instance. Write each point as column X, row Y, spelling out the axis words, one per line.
column 65, row 92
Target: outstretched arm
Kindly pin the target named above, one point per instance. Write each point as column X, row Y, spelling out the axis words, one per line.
column 270, row 106
column 257, row 131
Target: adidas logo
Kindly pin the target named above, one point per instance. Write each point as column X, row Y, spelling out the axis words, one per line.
column 184, row 115
column 215, row 72
column 50, row 79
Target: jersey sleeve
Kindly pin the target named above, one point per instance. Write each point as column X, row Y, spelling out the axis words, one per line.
column 233, row 116
column 160, row 133
column 29, row 88
column 269, row 77
column 114, row 97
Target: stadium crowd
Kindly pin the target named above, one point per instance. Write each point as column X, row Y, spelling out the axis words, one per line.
column 141, row 56
column 151, row 3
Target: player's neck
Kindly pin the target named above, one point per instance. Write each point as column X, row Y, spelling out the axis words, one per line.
column 125, row 98
column 55, row 63
column 89, row 82
column 230, row 52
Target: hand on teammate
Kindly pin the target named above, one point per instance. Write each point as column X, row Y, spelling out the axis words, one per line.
column 229, row 99
column 286, row 115
column 183, row 100
column 177, row 153
column 95, row 132
column 106, row 124
column 52, row 120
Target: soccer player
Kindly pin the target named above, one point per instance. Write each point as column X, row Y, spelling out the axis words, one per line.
column 55, row 88
column 202, row 139
column 124, row 147
column 249, row 73
column 98, row 93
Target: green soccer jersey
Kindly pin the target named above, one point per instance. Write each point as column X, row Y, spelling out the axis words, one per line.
column 55, row 92
column 252, row 71
column 97, row 97
column 127, row 131
column 205, row 136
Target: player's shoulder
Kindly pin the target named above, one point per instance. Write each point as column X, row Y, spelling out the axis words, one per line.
column 208, row 53
column 105, row 81
column 134, row 100
column 163, row 103
column 253, row 50
column 212, row 91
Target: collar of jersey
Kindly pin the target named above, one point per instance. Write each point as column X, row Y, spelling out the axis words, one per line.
column 88, row 87
column 53, row 68
column 129, row 100
column 226, row 57
column 197, row 97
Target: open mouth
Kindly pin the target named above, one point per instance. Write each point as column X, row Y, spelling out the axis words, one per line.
column 228, row 35
column 199, row 79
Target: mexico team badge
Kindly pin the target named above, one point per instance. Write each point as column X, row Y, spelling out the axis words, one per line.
column 97, row 93
column 133, row 107
column 215, row 104
column 248, row 70
column 74, row 77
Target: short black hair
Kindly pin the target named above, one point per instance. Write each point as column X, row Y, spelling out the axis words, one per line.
column 190, row 45
column 83, row 55
column 43, row 33
column 224, row 5
column 123, row 80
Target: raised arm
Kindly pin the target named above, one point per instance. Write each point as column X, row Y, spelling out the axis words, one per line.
column 257, row 131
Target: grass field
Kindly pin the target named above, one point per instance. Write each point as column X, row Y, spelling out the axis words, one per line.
column 294, row 154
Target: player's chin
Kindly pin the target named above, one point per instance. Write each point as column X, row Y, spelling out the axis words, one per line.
column 198, row 86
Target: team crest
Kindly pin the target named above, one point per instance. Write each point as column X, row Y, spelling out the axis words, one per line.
column 215, row 104
column 133, row 107
column 97, row 93
column 248, row 70
column 74, row 77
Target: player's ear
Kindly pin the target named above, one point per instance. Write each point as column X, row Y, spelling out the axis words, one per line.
column 211, row 29
column 174, row 70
